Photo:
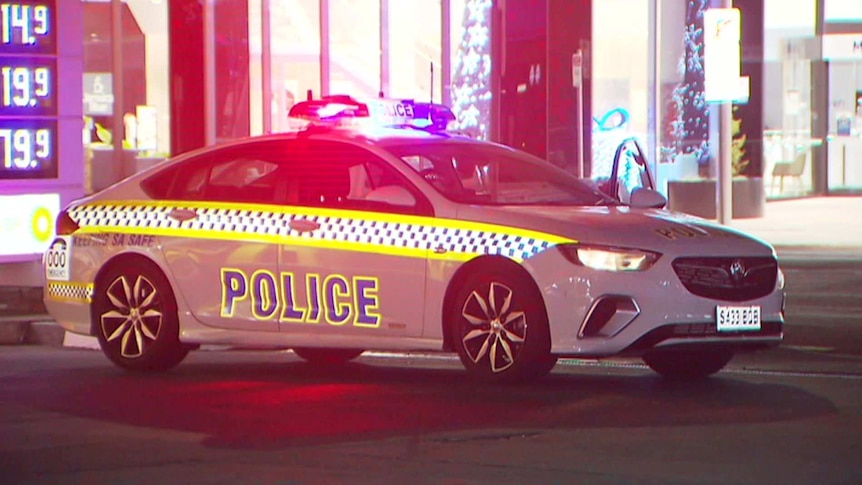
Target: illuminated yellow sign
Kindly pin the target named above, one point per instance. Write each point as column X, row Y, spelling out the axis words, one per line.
column 27, row 223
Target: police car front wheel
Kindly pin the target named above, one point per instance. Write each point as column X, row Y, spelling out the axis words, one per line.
column 500, row 328
column 135, row 315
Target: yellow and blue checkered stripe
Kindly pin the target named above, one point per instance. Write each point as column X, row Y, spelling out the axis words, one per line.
column 70, row 291
column 351, row 230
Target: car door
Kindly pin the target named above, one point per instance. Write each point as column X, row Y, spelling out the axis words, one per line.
column 227, row 266
column 355, row 262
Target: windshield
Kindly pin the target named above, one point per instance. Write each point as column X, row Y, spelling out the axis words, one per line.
column 485, row 174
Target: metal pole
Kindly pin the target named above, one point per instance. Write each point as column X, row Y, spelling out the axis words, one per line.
column 209, row 73
column 819, row 106
column 724, row 207
column 580, row 117
column 724, row 189
column 266, row 65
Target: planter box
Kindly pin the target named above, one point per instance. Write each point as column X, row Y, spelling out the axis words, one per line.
column 697, row 197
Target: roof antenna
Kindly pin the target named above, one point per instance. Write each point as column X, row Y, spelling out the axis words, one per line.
column 432, row 82
column 309, row 95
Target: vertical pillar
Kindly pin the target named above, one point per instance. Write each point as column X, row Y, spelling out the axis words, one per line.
column 384, row 47
column 819, row 105
column 117, row 126
column 324, row 47
column 569, row 108
column 446, row 57
column 266, row 65
column 724, row 188
column 654, row 112
column 186, row 41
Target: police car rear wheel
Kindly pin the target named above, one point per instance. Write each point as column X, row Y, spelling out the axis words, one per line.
column 136, row 318
column 687, row 364
column 326, row 356
column 501, row 328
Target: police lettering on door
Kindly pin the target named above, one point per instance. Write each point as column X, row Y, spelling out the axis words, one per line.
column 334, row 299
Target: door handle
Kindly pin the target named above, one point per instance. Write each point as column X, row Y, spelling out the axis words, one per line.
column 182, row 215
column 304, row 225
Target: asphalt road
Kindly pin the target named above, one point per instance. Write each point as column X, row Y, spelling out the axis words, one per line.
column 67, row 416
column 824, row 301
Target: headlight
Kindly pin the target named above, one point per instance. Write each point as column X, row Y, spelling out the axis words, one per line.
column 607, row 258
column 781, row 280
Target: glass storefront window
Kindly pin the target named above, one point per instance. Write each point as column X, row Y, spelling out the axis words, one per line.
column 139, row 112
column 842, row 34
column 354, row 47
column 470, row 40
column 620, row 87
column 295, row 55
column 787, row 142
column 414, row 50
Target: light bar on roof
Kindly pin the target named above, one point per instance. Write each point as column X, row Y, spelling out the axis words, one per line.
column 341, row 110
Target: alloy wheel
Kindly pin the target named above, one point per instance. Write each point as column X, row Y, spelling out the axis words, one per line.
column 497, row 331
column 135, row 318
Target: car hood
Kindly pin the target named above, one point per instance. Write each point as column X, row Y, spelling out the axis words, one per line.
column 653, row 229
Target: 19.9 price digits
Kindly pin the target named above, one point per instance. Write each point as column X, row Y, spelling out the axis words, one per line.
column 25, row 86
column 25, row 149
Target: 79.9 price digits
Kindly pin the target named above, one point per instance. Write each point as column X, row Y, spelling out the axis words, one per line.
column 24, row 148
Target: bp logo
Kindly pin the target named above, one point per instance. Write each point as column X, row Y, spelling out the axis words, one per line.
column 57, row 260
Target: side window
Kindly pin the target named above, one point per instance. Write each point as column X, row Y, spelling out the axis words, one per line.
column 242, row 179
column 158, row 185
column 250, row 173
column 344, row 176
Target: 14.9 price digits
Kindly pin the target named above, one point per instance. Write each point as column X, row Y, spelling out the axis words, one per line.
column 20, row 19
column 25, row 149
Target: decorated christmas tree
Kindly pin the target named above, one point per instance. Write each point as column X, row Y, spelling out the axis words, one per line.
column 471, row 71
column 690, row 127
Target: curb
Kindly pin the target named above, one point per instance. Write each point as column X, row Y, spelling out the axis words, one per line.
column 31, row 330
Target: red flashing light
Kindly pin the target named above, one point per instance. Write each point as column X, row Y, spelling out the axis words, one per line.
column 65, row 225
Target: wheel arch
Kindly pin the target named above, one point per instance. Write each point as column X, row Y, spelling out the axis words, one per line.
column 475, row 266
column 120, row 259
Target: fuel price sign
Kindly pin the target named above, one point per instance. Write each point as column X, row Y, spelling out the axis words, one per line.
column 28, row 89
column 27, row 26
column 28, row 149
column 28, row 86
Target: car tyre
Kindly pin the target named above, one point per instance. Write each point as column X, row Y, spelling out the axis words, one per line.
column 500, row 328
column 135, row 317
column 327, row 356
column 687, row 364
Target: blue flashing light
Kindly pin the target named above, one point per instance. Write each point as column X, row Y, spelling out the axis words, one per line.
column 342, row 110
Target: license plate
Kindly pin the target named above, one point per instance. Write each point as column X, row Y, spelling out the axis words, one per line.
column 737, row 318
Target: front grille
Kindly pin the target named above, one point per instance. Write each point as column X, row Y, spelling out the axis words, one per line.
column 728, row 279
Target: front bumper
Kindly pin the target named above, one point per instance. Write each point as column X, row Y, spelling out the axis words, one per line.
column 650, row 309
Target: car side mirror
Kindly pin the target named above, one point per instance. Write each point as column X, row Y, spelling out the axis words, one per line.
column 647, row 198
column 392, row 195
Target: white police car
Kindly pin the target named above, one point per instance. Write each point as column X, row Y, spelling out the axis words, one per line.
column 332, row 241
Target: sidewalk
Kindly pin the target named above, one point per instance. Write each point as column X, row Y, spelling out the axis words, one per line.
column 822, row 227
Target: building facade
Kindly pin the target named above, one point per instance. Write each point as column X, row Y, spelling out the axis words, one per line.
column 95, row 90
